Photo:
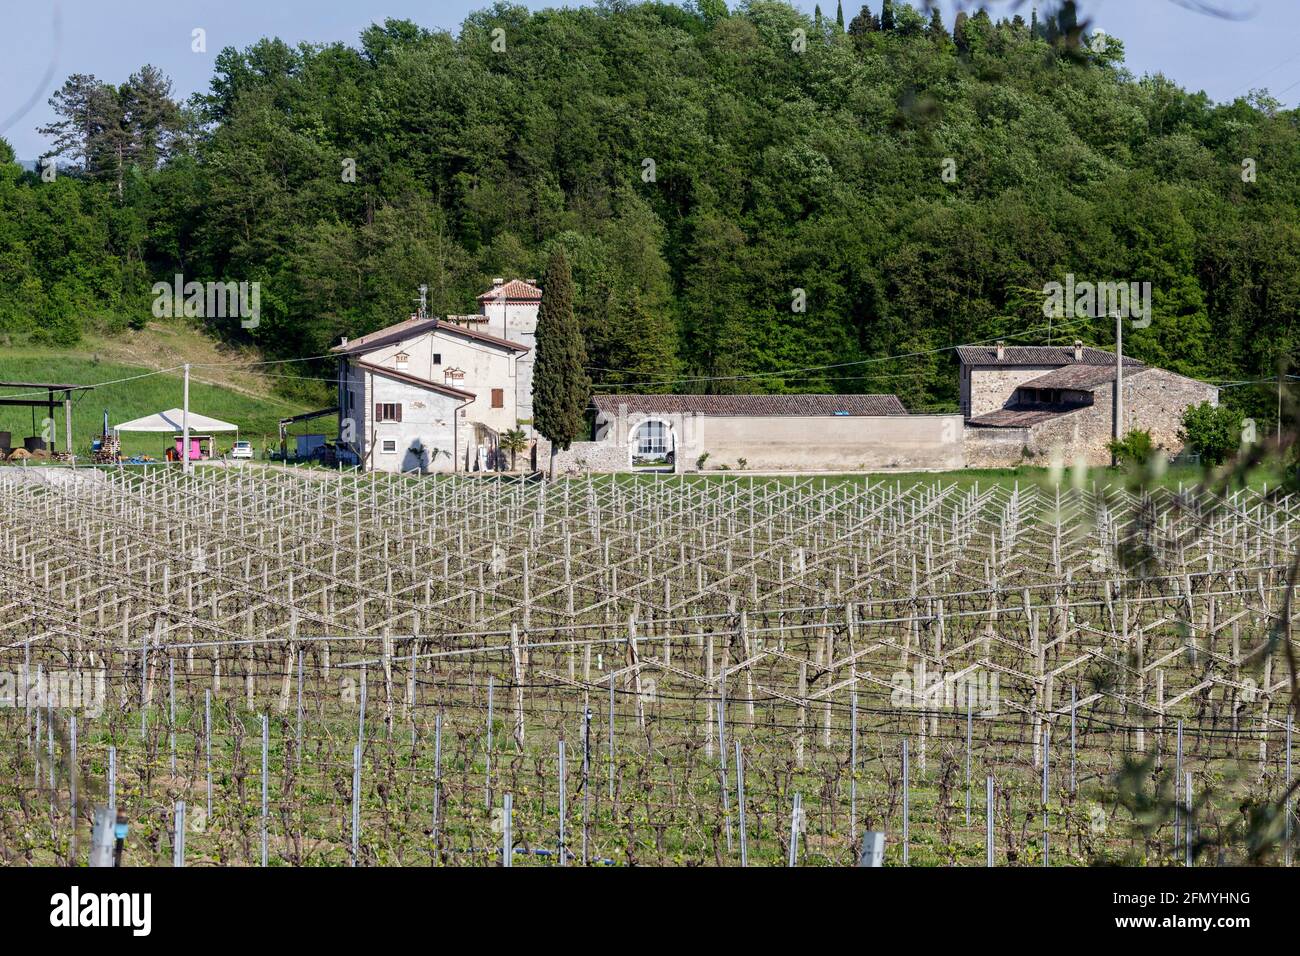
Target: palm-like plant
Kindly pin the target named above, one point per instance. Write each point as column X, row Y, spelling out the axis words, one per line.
column 514, row 441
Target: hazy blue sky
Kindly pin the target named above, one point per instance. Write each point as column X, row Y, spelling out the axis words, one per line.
column 111, row 40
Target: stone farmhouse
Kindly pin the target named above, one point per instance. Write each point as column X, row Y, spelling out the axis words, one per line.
column 1036, row 401
column 431, row 394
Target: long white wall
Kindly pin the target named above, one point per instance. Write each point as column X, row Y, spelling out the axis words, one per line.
column 808, row 443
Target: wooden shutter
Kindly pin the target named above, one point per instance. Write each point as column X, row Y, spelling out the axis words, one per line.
column 498, row 398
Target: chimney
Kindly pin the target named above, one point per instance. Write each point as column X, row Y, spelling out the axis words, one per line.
column 498, row 281
column 344, row 341
column 531, row 281
column 1078, row 350
column 1002, row 351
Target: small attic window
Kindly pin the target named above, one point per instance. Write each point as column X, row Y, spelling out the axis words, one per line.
column 402, row 358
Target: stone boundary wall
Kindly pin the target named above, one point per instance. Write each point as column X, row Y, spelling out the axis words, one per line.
column 995, row 447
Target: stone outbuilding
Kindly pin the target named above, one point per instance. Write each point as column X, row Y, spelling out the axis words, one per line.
column 1027, row 402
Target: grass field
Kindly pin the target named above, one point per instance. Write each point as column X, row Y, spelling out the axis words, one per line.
column 234, row 395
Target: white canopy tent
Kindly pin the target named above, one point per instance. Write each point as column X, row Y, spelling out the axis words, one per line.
column 173, row 420
column 202, row 428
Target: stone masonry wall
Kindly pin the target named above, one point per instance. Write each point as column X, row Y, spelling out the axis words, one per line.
column 582, row 457
column 1154, row 399
column 991, row 387
column 995, row 447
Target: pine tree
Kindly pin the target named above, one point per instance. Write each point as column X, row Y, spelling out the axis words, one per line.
column 150, row 115
column 887, row 22
column 561, row 389
column 90, row 128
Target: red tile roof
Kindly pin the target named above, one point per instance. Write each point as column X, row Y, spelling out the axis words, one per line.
column 759, row 406
column 516, row 290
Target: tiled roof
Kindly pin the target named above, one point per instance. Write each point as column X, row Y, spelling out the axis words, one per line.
column 482, row 336
column 516, row 290
column 1085, row 377
column 408, row 329
column 1037, row 355
column 416, row 380
column 753, row 405
column 1016, row 417
column 413, row 327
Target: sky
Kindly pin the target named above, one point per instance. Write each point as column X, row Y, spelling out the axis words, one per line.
column 1224, row 57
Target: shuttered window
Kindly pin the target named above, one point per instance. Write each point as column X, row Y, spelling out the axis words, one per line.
column 498, row 398
column 388, row 412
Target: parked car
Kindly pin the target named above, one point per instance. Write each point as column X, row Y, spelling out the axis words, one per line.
column 242, row 449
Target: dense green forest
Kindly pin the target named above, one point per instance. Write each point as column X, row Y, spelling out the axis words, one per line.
column 918, row 180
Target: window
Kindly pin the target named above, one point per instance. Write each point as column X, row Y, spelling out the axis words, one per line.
column 651, row 438
column 389, row 446
column 437, row 358
column 498, row 398
column 388, row 412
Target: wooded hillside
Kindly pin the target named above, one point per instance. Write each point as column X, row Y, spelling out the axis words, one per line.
column 700, row 167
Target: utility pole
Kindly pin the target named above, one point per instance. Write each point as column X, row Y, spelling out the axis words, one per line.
column 1119, row 382
column 185, row 423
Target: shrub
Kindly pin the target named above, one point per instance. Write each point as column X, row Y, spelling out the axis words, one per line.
column 1135, row 448
column 1213, row 433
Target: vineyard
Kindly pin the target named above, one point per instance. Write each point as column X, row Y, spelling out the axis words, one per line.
column 260, row 667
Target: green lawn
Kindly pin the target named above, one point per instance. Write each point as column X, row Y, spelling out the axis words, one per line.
column 257, row 417
column 966, row 479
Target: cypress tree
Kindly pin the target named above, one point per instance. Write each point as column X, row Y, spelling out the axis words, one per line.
column 839, row 14
column 561, row 389
column 959, row 35
column 863, row 23
column 937, row 29
column 887, row 16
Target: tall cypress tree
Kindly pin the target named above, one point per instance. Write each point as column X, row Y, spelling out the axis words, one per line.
column 887, row 16
column 561, row 389
column 839, row 14
column 862, row 24
column 937, row 30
